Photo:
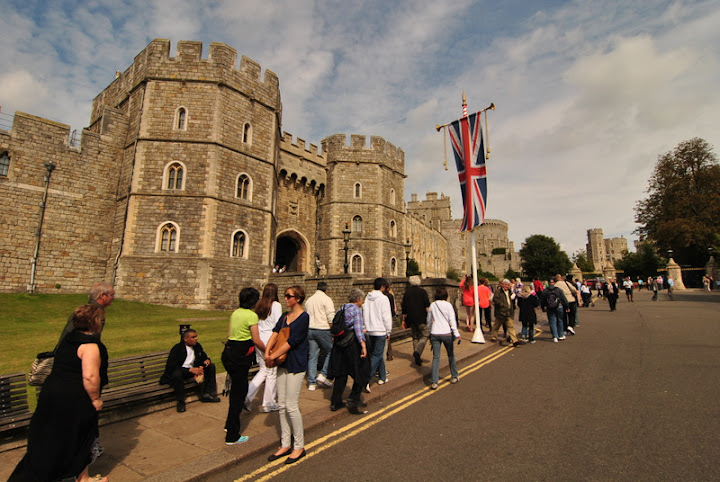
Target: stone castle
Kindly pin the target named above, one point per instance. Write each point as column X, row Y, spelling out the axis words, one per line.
column 603, row 252
column 184, row 189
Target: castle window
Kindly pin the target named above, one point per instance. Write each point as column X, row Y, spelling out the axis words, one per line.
column 239, row 245
column 392, row 197
column 357, row 224
column 358, row 190
column 181, row 119
column 244, row 187
column 393, row 229
column 167, row 238
column 247, row 134
column 357, row 264
column 174, row 176
column 4, row 164
column 393, row 266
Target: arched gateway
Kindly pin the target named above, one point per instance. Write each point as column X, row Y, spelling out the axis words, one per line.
column 291, row 251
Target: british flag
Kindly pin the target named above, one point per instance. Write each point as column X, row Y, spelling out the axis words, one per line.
column 467, row 143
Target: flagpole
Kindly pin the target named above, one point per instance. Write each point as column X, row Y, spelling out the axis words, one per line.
column 478, row 335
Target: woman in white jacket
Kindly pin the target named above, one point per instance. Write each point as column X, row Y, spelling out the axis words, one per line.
column 442, row 326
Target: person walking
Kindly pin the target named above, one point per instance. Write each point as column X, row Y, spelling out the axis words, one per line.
column 243, row 338
column 670, row 288
column 485, row 296
column 504, row 301
column 611, row 293
column 554, row 303
column 268, row 310
column 378, row 322
column 321, row 310
column 527, row 301
column 442, row 325
column 290, row 374
column 628, row 285
column 415, row 306
column 655, row 288
column 468, row 301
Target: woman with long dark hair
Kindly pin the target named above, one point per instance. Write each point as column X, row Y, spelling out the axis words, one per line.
column 291, row 373
column 243, row 336
column 268, row 311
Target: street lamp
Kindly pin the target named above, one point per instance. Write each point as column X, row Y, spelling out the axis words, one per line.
column 670, row 253
column 408, row 247
column 346, row 240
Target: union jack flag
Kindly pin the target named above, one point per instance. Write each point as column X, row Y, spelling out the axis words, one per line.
column 467, row 143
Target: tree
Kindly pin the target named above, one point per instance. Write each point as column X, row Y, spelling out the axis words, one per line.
column 542, row 257
column 682, row 210
column 511, row 274
column 453, row 274
column 581, row 260
column 644, row 263
column 413, row 268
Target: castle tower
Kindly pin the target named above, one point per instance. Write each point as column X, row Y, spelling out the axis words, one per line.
column 198, row 177
column 596, row 248
column 366, row 192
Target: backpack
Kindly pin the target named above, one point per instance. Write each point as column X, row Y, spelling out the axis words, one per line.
column 552, row 299
column 342, row 335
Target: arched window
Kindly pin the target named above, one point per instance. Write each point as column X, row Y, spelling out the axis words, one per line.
column 181, row 119
column 357, row 192
column 393, row 266
column 167, row 238
column 392, row 197
column 357, row 264
column 175, row 176
column 393, row 229
column 357, row 224
column 4, row 164
column 244, row 187
column 239, row 244
column 247, row 134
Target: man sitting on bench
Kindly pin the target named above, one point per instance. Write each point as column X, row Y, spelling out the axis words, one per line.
column 187, row 359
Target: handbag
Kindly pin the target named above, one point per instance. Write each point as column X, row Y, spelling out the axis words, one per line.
column 282, row 337
column 41, row 368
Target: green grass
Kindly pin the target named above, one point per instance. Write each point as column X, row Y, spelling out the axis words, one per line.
column 32, row 324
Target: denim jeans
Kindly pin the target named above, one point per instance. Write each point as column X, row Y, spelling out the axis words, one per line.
column 318, row 340
column 555, row 319
column 436, row 341
column 377, row 358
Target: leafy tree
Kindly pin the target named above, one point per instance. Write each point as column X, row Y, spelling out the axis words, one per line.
column 682, row 210
column 644, row 263
column 581, row 260
column 542, row 257
column 413, row 268
column 453, row 274
column 511, row 274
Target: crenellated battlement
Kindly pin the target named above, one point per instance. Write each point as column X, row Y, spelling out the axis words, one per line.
column 300, row 150
column 220, row 67
column 336, row 148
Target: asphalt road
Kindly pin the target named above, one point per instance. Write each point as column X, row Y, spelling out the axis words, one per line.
column 633, row 396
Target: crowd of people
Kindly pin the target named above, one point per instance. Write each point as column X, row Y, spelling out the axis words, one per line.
column 63, row 437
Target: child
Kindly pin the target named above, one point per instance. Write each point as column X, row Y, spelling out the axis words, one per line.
column 527, row 301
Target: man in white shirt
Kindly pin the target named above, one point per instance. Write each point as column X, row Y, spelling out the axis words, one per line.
column 378, row 323
column 321, row 310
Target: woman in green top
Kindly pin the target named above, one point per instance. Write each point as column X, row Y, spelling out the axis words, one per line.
column 237, row 356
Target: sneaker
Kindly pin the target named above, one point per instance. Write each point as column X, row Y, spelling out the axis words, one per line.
column 271, row 408
column 532, row 341
column 454, row 380
column 562, row 337
column 434, row 386
column 382, row 382
column 241, row 440
column 322, row 380
column 367, row 388
column 418, row 361
column 312, row 387
column 571, row 330
column 555, row 340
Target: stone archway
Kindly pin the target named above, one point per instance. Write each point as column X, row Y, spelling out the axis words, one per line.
column 291, row 251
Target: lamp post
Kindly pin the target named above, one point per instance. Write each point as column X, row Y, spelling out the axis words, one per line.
column 346, row 240
column 670, row 253
column 408, row 247
column 49, row 168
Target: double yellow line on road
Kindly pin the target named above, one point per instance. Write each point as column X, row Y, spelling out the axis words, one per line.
column 318, row 446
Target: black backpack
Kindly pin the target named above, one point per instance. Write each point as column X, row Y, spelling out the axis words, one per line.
column 552, row 299
column 342, row 335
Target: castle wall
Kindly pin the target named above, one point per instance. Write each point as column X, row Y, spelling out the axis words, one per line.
column 80, row 208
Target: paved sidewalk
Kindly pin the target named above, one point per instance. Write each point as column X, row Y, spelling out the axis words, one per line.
column 171, row 446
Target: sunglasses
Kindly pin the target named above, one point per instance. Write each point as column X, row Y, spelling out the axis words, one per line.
column 287, row 296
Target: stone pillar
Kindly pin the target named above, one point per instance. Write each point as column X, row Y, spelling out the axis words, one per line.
column 609, row 271
column 576, row 272
column 673, row 271
column 710, row 266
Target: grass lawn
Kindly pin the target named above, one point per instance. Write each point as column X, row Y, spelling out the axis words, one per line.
column 32, row 324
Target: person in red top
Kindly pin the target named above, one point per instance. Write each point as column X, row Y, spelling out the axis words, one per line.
column 485, row 295
column 468, row 301
column 539, row 287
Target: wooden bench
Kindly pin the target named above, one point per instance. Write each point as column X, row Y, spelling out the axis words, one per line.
column 14, row 411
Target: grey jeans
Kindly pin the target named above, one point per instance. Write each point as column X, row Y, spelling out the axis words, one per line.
column 291, row 423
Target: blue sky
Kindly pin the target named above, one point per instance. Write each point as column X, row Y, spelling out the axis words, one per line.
column 588, row 93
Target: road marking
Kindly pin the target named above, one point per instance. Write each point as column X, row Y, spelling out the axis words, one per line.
column 365, row 422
